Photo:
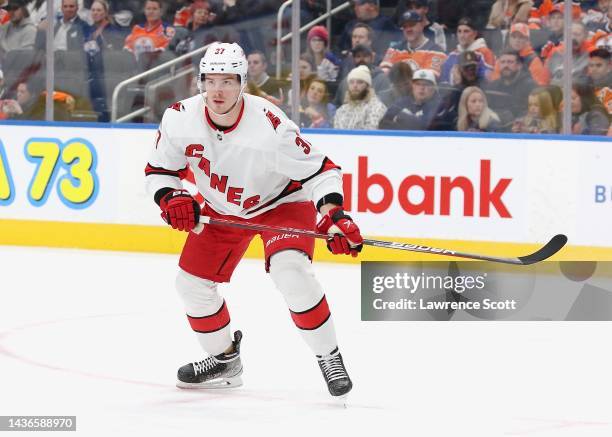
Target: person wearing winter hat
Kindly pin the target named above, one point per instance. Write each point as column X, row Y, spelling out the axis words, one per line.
column 362, row 109
column 363, row 55
column 326, row 62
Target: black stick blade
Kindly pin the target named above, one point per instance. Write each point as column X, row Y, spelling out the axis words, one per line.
column 549, row 249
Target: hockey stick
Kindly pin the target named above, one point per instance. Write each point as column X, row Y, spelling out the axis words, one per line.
column 546, row 251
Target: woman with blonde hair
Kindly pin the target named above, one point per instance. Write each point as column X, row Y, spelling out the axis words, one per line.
column 541, row 116
column 474, row 112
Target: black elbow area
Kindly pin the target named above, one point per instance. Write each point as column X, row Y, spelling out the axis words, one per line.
column 335, row 198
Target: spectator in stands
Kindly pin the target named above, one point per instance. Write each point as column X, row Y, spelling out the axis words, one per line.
column 465, row 75
column 258, row 74
column 474, row 112
column 154, row 35
column 467, row 38
column 588, row 116
column 362, row 109
column 519, row 42
column 326, row 62
column 23, row 106
column 104, row 34
column 316, row 110
column 600, row 75
column 417, row 111
column 554, row 26
column 38, row 11
column 127, row 12
column 4, row 15
column 400, row 77
column 19, row 33
column 362, row 35
column 467, row 71
column 198, row 21
column 504, row 13
column 580, row 53
column 433, row 31
column 513, row 86
column 368, row 12
column 307, row 72
column 596, row 17
column 606, row 25
column 183, row 15
column 70, row 30
column 416, row 49
column 307, row 66
column 362, row 55
column 541, row 117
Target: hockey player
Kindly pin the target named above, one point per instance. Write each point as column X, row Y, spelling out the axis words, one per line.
column 250, row 163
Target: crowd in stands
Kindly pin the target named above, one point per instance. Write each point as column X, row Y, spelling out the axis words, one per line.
column 487, row 66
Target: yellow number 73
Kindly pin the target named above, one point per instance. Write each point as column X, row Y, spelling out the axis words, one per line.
column 78, row 188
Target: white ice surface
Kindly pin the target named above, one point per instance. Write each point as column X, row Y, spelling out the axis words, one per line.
column 100, row 335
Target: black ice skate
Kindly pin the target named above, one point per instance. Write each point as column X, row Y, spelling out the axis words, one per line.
column 334, row 372
column 214, row 372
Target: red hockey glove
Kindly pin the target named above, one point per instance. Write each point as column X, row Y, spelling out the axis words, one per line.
column 180, row 210
column 344, row 235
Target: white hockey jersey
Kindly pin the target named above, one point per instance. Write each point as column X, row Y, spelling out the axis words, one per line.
column 251, row 167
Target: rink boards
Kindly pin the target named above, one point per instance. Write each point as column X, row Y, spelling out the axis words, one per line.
column 82, row 185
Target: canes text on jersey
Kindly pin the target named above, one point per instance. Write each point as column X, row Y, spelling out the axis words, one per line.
column 234, row 194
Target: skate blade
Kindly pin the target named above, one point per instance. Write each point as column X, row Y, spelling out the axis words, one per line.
column 214, row 384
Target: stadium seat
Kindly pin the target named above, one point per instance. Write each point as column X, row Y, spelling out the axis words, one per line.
column 118, row 66
column 71, row 73
column 494, row 39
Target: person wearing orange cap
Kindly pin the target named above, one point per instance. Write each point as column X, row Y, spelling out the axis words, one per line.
column 326, row 62
column 553, row 22
column 519, row 42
